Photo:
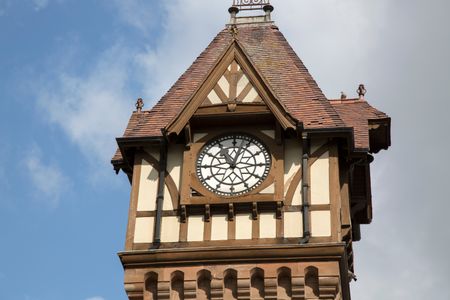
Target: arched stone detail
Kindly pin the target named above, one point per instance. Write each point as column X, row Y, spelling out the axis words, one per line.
column 257, row 288
column 230, row 285
column 284, row 283
column 312, row 283
column 151, row 286
column 177, row 286
column 204, row 285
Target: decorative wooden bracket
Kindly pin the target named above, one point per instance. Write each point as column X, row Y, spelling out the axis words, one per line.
column 231, row 105
column 230, row 212
column 207, row 213
column 279, row 207
column 255, row 211
column 188, row 135
column 183, row 214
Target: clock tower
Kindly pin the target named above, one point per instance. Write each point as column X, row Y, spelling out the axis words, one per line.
column 246, row 181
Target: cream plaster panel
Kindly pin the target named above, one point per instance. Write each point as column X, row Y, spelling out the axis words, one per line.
column 316, row 144
column 219, row 228
column 243, row 227
column 195, row 229
column 320, row 180
column 224, row 85
column 167, row 203
column 174, row 162
column 241, row 84
column 292, row 164
column 269, row 190
column 198, row 136
column 293, row 224
column 297, row 197
column 212, row 96
column 267, row 225
column 170, row 229
column 251, row 96
column 269, row 133
column 148, row 187
column 320, row 223
column 143, row 230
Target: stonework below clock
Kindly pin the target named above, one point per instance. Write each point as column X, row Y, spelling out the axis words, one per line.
column 233, row 164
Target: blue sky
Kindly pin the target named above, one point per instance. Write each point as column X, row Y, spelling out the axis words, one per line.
column 70, row 72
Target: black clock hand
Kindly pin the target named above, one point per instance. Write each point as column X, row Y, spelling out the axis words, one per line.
column 228, row 158
column 238, row 153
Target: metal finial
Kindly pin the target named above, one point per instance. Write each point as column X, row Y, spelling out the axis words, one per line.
column 139, row 104
column 361, row 91
column 343, row 96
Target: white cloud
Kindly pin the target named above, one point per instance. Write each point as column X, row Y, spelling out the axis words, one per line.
column 398, row 51
column 46, row 178
column 138, row 13
column 92, row 109
column 188, row 27
column 40, row 4
column 96, row 298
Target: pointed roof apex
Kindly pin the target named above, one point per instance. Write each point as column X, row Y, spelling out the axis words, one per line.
column 250, row 5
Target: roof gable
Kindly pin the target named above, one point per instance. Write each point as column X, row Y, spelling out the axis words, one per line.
column 275, row 72
column 235, row 65
column 233, row 86
column 270, row 57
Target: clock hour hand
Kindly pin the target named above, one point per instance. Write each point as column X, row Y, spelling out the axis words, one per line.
column 228, row 158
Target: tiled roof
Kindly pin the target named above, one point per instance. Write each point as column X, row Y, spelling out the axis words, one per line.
column 275, row 60
column 357, row 114
column 278, row 65
column 288, row 77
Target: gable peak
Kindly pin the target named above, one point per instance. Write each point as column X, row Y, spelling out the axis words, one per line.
column 232, row 88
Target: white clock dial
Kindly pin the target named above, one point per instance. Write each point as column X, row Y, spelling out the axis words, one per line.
column 233, row 164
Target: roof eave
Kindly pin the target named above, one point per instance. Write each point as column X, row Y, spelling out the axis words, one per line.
column 127, row 147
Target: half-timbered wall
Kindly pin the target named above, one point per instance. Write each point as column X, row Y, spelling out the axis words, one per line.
column 243, row 226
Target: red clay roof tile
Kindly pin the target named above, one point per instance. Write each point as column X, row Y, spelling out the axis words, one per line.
column 356, row 114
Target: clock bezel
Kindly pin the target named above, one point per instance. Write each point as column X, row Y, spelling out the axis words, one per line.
column 250, row 137
column 193, row 192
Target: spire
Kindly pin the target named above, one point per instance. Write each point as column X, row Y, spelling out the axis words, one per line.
column 250, row 5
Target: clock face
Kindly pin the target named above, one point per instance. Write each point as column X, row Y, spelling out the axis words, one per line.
column 233, row 164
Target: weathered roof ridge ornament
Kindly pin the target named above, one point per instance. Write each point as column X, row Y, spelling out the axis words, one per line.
column 248, row 5
column 361, row 91
column 139, row 105
column 343, row 96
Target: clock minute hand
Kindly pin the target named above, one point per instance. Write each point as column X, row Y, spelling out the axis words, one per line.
column 238, row 153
